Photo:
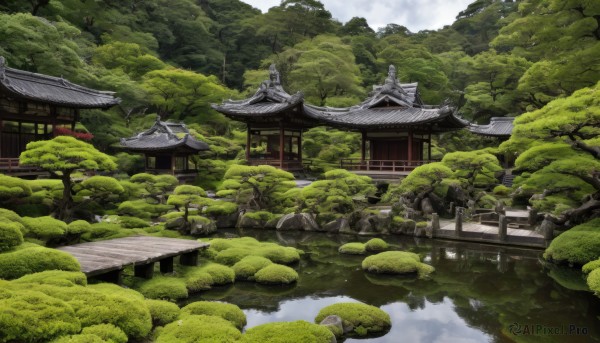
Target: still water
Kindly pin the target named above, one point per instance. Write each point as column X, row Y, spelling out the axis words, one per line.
column 478, row 293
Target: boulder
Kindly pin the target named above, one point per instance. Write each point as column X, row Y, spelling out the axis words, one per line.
column 407, row 227
column 202, row 229
column 297, row 221
column 335, row 324
column 426, row 206
column 338, row 225
column 246, row 222
column 175, row 224
column 227, row 221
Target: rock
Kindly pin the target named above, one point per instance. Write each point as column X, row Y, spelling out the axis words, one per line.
column 203, row 229
column 338, row 225
column 334, row 322
column 246, row 222
column 272, row 224
column 227, row 221
column 422, row 231
column 426, row 206
column 297, row 221
column 407, row 227
column 175, row 224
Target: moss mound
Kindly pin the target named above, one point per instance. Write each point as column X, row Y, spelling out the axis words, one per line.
column 376, row 244
column 35, row 259
column 197, row 280
column 82, row 338
column 248, row 266
column 276, row 274
column 54, row 277
column 199, row 329
column 162, row 312
column 229, row 312
column 365, row 319
column 593, row 281
column 107, row 332
column 285, row 332
column 590, row 266
column 353, row 248
column 10, row 235
column 163, row 287
column 231, row 251
column 578, row 246
column 221, row 275
column 396, row 262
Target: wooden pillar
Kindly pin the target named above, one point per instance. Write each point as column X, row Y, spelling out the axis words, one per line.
column 410, row 147
column 75, row 119
column 166, row 265
column 189, row 259
column 281, row 144
column 363, row 146
column 172, row 164
column 300, row 147
column 145, row 271
column 114, row 276
column 19, row 144
column 429, row 147
column 502, row 228
column 248, row 142
column 1, row 129
column 459, row 221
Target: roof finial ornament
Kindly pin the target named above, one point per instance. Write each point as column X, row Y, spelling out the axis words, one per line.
column 391, row 75
column 274, row 75
column 158, row 118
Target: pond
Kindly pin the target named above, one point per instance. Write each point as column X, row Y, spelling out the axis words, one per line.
column 478, row 293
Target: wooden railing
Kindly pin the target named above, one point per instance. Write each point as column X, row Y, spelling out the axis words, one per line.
column 12, row 166
column 287, row 164
column 381, row 165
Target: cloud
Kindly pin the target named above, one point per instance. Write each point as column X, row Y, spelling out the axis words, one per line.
column 417, row 15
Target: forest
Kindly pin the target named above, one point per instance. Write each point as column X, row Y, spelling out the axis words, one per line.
column 535, row 60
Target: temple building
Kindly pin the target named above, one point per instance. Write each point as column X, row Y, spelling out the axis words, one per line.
column 275, row 121
column 393, row 122
column 499, row 127
column 32, row 105
column 167, row 148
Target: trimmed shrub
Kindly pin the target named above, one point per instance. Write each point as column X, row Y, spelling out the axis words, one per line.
column 198, row 280
column 10, row 235
column 232, row 255
column 263, row 216
column 285, row 332
column 162, row 287
column 82, row 338
column 162, row 312
column 365, row 319
column 276, row 274
column 501, row 190
column 133, row 222
column 104, row 231
column 248, row 266
column 220, row 274
column 54, row 277
column 353, row 248
column 13, row 187
column 78, row 227
column 229, row 312
column 220, row 208
column 593, row 281
column 590, row 266
column 30, row 316
column 15, row 264
column 10, row 216
column 279, row 254
column 107, row 332
column 396, row 262
column 199, row 329
column 376, row 244
column 579, row 245
column 44, row 228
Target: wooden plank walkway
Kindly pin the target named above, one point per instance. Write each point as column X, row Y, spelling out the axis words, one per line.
column 476, row 232
column 103, row 257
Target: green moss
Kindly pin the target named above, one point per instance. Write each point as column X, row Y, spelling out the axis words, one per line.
column 279, row 254
column 10, row 235
column 264, row 216
column 593, row 281
column 376, row 244
column 353, row 248
column 162, row 312
column 285, row 332
column 248, row 266
column 232, row 255
column 421, row 225
column 501, row 190
column 579, row 245
column 199, row 329
column 365, row 319
column 246, row 246
column 229, row 312
column 220, row 208
column 163, row 287
column 107, row 332
column 101, row 231
column 32, row 260
column 31, row 316
column 54, row 277
column 133, row 222
column 276, row 274
column 396, row 262
column 590, row 266
column 78, row 227
column 198, row 280
column 220, row 274
column 82, row 338
column 44, row 228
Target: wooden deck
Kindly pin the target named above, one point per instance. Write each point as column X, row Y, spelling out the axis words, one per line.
column 476, row 232
column 108, row 258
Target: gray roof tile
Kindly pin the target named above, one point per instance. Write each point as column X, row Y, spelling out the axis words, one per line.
column 498, row 127
column 164, row 136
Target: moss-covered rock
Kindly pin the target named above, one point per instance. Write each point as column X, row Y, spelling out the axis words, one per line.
column 590, row 266
column 81, row 338
column 231, row 251
column 396, row 262
column 220, row 274
column 163, row 312
column 44, row 228
column 285, row 332
column 353, row 248
column 579, row 245
column 199, row 329
column 10, row 235
column 376, row 244
column 78, row 227
column 593, row 281
column 107, row 332
column 360, row 318
column 54, row 277
column 229, row 312
column 198, row 280
column 15, row 264
column 163, row 287
column 133, row 222
column 248, row 266
column 276, row 274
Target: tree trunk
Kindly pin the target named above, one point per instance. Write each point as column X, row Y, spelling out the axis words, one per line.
column 64, row 213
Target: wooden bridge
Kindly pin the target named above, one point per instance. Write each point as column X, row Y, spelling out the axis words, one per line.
column 106, row 259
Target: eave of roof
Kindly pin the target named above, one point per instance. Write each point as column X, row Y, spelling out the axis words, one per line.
column 498, row 127
column 161, row 137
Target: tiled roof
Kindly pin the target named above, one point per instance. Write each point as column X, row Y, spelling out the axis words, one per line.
column 53, row 90
column 498, row 127
column 164, row 136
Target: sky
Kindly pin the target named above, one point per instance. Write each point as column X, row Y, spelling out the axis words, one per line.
column 416, row 15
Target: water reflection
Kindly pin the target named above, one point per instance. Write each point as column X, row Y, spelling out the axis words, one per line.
column 476, row 293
